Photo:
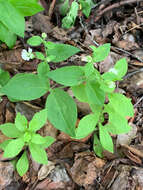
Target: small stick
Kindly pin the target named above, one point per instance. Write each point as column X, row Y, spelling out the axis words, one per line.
column 115, row 5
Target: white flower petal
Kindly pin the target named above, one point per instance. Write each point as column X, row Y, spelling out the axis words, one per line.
column 29, row 50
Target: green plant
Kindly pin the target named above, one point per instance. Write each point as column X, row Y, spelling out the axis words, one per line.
column 24, row 135
column 87, row 85
column 71, row 12
column 12, row 23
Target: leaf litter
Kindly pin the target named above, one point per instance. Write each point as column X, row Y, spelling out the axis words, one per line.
column 122, row 27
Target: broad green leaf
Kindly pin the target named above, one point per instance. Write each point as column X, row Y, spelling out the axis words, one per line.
column 22, row 164
column 68, row 76
column 35, row 41
column 95, row 95
column 7, row 36
column 13, row 148
column 119, row 127
column 105, row 138
column 121, row 104
column 21, row 122
column 38, row 120
column 64, row 8
column 4, row 77
column 87, row 125
column 60, row 51
column 79, row 92
column 4, row 144
column 25, row 87
column 88, row 69
column 38, row 153
column 101, row 52
column 69, row 20
column 62, row 111
column 38, row 139
column 43, row 69
column 97, row 147
column 11, row 18
column 10, row 130
column 50, row 140
column 117, row 72
column 26, row 7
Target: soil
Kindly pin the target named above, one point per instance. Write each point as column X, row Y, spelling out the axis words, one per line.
column 73, row 165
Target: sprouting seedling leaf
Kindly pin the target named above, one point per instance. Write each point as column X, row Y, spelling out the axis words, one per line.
column 105, row 138
column 13, row 148
column 64, row 7
column 10, row 130
column 38, row 153
column 86, row 6
column 68, row 76
column 35, row 41
column 38, row 120
column 60, row 52
column 22, row 164
column 69, row 20
column 21, row 122
column 101, row 52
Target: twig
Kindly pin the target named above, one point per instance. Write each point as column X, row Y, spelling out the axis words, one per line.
column 51, row 8
column 135, row 105
column 115, row 5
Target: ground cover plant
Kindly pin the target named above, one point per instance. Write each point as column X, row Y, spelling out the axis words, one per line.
column 87, row 85
column 12, row 21
column 71, row 11
column 23, row 135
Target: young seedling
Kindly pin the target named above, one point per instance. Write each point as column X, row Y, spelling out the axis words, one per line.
column 87, row 85
column 22, row 136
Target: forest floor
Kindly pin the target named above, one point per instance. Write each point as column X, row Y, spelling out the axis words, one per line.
column 73, row 165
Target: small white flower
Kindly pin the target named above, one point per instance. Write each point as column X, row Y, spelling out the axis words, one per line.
column 113, row 70
column 27, row 55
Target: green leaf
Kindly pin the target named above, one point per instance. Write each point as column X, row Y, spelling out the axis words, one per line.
column 50, row 140
column 105, row 138
column 95, row 95
column 118, row 108
column 64, row 8
column 22, row 164
column 25, row 87
column 11, row 18
column 80, row 92
column 69, row 20
column 62, row 111
column 35, row 41
column 38, row 153
column 10, row 130
column 7, row 36
column 39, row 55
column 100, row 53
column 38, row 120
column 4, row 144
column 21, row 122
column 117, row 72
column 87, row 125
column 4, row 77
column 121, row 104
column 13, row 148
column 43, row 69
column 88, row 69
column 68, row 76
column 97, row 147
column 38, row 139
column 27, row 7
column 86, row 7
column 60, row 51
